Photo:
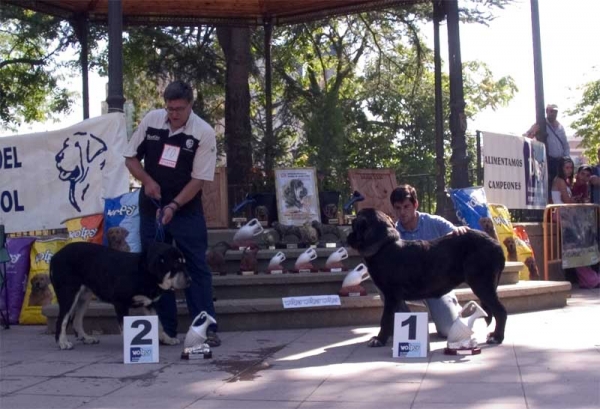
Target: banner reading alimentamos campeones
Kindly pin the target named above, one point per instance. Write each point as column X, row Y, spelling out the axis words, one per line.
column 49, row 177
column 515, row 171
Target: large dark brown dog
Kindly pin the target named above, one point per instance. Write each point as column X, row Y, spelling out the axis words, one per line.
column 414, row 270
column 123, row 279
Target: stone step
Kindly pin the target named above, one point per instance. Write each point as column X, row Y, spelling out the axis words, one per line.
column 231, row 287
column 268, row 313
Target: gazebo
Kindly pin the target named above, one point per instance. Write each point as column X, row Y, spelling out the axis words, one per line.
column 266, row 13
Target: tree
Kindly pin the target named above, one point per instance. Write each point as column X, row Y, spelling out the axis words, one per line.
column 30, row 69
column 235, row 42
column 588, row 124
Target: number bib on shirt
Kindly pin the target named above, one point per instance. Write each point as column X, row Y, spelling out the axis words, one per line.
column 169, row 156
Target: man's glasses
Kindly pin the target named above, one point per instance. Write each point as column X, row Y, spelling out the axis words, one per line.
column 178, row 110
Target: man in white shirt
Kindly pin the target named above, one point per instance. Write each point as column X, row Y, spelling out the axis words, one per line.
column 179, row 153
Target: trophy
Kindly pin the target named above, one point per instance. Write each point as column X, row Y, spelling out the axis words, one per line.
column 303, row 263
column 460, row 336
column 351, row 285
column 275, row 266
column 249, row 262
column 215, row 257
column 194, row 345
column 356, row 197
column 244, row 237
column 334, row 261
column 330, row 236
column 238, row 220
column 290, row 236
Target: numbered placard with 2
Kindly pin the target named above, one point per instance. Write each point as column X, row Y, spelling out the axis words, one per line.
column 140, row 339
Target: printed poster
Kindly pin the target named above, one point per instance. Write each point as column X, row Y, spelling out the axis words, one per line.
column 297, row 196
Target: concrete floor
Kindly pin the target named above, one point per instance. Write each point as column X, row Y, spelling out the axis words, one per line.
column 549, row 359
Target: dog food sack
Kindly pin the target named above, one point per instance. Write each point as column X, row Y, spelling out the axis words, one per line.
column 471, row 209
column 525, row 254
column 514, row 241
column 122, row 223
column 86, row 228
column 502, row 223
column 17, row 270
column 39, row 291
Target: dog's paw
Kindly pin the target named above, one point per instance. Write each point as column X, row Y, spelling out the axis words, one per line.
column 64, row 345
column 164, row 339
column 375, row 343
column 493, row 339
column 87, row 340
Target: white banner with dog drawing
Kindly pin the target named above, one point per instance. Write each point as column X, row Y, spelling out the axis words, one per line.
column 48, row 177
column 514, row 169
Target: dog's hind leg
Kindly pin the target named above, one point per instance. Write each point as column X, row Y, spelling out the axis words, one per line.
column 66, row 299
column 83, row 301
column 486, row 292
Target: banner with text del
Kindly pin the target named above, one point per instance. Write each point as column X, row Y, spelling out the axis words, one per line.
column 49, row 177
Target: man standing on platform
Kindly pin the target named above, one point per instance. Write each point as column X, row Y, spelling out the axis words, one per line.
column 556, row 142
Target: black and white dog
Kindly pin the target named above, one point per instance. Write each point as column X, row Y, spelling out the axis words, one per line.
column 294, row 193
column 123, row 279
column 413, row 270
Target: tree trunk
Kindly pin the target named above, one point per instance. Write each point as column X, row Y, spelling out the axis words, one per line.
column 235, row 42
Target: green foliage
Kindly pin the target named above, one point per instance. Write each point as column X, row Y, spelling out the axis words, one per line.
column 354, row 91
column 29, row 70
column 588, row 123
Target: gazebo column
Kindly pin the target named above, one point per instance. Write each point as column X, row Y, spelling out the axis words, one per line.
column 440, row 180
column 80, row 24
column 269, row 138
column 115, row 99
column 459, row 177
column 540, row 112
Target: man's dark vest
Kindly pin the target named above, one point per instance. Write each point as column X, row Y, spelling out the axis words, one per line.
column 170, row 180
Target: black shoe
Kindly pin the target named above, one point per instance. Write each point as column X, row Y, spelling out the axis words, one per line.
column 212, row 339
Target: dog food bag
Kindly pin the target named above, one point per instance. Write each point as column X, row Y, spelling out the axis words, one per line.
column 86, row 228
column 17, row 270
column 515, row 247
column 39, row 291
column 122, row 223
column 502, row 223
column 525, row 254
column 471, row 208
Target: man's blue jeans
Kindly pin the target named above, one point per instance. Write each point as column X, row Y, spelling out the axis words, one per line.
column 188, row 231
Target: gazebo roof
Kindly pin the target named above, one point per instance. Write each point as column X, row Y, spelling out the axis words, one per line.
column 186, row 12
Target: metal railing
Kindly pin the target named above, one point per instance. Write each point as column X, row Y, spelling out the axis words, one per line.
column 552, row 232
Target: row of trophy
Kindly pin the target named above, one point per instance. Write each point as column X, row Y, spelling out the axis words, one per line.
column 264, row 209
column 288, row 236
column 215, row 258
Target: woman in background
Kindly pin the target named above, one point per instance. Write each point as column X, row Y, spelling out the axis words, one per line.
column 563, row 182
